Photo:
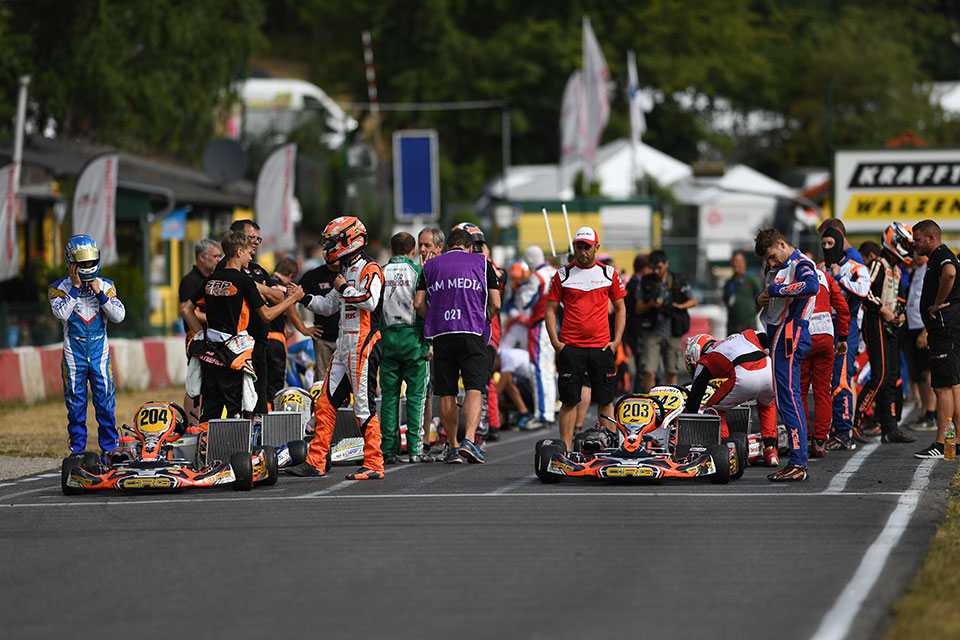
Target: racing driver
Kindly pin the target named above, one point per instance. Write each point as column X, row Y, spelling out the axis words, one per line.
column 354, row 365
column 83, row 302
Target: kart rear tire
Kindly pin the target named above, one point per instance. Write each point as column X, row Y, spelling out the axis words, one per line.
column 242, row 467
column 545, row 455
column 270, row 460
column 721, row 463
column 298, row 452
column 739, row 440
column 66, row 468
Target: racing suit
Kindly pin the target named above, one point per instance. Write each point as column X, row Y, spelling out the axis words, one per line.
column 829, row 307
column 740, row 359
column 854, row 281
column 86, row 356
column 354, row 364
column 533, row 297
column 886, row 290
column 404, row 357
column 792, row 290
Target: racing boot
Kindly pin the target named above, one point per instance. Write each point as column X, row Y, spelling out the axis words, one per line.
column 770, row 457
column 305, row 470
column 818, row 448
column 896, row 436
column 841, row 442
column 790, row 473
column 365, row 474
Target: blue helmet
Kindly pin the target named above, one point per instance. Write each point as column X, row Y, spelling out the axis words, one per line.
column 81, row 248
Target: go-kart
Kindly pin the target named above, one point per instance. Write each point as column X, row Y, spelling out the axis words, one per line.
column 147, row 460
column 644, row 449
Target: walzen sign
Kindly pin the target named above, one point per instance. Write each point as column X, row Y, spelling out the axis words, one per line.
column 874, row 188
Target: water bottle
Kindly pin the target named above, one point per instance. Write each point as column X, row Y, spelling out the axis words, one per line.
column 950, row 441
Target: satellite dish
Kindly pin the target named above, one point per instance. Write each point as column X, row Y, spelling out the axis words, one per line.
column 224, row 160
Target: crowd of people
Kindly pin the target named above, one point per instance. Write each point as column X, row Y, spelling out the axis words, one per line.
column 502, row 348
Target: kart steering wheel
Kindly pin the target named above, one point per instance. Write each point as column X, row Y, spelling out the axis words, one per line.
column 182, row 421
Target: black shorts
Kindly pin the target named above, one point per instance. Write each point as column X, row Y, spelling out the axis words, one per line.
column 459, row 355
column 944, row 360
column 259, row 361
column 918, row 360
column 276, row 367
column 578, row 364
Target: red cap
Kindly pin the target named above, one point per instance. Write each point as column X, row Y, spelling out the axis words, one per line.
column 585, row 234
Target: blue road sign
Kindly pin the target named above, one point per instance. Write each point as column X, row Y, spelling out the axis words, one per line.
column 416, row 175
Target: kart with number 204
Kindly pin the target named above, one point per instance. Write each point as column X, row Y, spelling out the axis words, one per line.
column 150, row 462
column 643, row 448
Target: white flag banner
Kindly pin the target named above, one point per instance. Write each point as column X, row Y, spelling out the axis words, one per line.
column 9, row 246
column 272, row 202
column 94, row 205
column 571, row 132
column 638, row 123
column 596, row 104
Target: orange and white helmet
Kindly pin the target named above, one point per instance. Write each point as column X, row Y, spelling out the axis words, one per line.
column 343, row 237
column 695, row 348
column 519, row 273
column 898, row 240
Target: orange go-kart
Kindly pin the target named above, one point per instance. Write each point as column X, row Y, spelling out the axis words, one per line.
column 151, row 461
column 641, row 449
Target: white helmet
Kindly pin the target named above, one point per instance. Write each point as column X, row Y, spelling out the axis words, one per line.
column 695, row 348
column 533, row 256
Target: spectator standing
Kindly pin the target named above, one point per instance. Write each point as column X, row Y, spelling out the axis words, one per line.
column 584, row 344
column 84, row 302
column 458, row 292
column 854, row 281
column 940, row 309
column 632, row 334
column 665, row 298
column 739, row 293
column 787, row 301
column 533, row 298
column 318, row 282
column 915, row 347
column 207, row 254
column 405, row 352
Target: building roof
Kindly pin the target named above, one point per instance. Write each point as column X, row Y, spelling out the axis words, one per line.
column 189, row 185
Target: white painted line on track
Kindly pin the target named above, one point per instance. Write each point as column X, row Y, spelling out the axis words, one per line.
column 522, row 482
column 836, row 624
column 839, row 481
column 23, row 493
column 7, row 484
column 80, row 502
column 49, row 475
column 31, row 478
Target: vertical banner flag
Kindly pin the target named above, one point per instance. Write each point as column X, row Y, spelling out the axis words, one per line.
column 571, row 123
column 596, row 104
column 273, row 199
column 638, row 123
column 9, row 247
column 94, row 204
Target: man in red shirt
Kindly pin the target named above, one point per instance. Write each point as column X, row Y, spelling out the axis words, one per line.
column 584, row 345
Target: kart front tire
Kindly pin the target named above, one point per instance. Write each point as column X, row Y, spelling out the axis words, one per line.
column 242, row 467
column 540, row 444
column 545, row 455
column 270, row 461
column 90, row 462
column 739, row 440
column 66, row 468
column 298, row 452
column 721, row 463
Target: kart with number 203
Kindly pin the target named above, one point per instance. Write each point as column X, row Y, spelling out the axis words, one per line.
column 644, row 447
column 151, row 461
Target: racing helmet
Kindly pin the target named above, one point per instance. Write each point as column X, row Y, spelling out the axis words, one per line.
column 898, row 240
column 475, row 233
column 342, row 238
column 81, row 248
column 697, row 346
column 519, row 273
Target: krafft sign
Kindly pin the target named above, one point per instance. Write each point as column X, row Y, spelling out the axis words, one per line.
column 874, row 188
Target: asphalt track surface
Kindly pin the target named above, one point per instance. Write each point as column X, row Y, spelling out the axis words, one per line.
column 476, row 551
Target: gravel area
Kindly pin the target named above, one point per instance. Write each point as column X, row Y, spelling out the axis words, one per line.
column 17, row 467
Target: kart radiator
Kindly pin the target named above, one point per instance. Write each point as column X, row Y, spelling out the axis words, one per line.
column 346, row 425
column 696, row 428
column 280, row 427
column 226, row 437
column 740, row 418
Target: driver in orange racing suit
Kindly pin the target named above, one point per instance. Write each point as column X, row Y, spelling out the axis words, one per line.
column 354, row 364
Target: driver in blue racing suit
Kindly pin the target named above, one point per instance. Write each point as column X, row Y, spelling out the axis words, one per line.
column 84, row 302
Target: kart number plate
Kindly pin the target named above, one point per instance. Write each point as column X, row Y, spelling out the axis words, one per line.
column 640, row 411
column 154, row 418
column 669, row 397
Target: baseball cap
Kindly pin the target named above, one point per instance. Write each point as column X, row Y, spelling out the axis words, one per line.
column 585, row 234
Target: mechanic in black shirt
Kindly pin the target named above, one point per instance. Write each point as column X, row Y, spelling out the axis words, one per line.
column 940, row 310
column 207, row 253
column 319, row 282
column 232, row 301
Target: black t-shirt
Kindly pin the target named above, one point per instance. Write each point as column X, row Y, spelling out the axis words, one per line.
column 191, row 284
column 948, row 316
column 319, row 282
column 231, row 299
column 632, row 327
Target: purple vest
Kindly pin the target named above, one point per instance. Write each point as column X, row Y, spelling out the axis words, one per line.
column 457, row 292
